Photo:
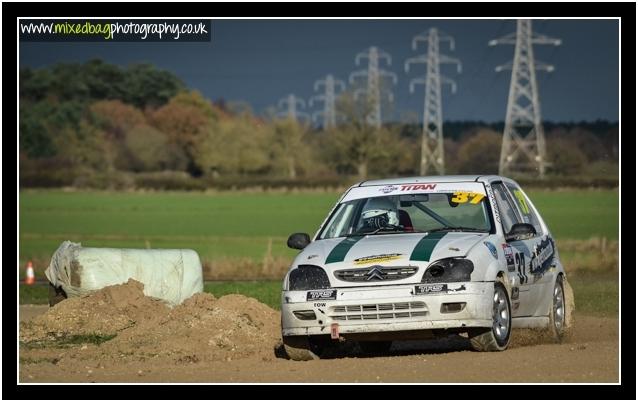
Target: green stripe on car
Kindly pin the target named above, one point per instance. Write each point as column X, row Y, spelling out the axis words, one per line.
column 423, row 249
column 339, row 252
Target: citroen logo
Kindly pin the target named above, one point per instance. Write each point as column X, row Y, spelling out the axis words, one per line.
column 375, row 272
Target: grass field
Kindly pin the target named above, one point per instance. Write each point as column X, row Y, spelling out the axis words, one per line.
column 239, row 225
column 216, row 226
column 579, row 214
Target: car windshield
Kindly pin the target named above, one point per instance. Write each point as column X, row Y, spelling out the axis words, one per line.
column 417, row 212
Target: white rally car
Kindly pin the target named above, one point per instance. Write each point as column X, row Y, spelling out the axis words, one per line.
column 418, row 257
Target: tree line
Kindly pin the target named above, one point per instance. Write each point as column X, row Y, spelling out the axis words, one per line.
column 94, row 124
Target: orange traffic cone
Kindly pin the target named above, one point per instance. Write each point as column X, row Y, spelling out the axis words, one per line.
column 30, row 274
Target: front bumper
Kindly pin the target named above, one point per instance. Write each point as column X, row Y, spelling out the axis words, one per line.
column 388, row 309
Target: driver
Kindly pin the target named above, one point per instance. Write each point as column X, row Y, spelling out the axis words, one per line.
column 379, row 212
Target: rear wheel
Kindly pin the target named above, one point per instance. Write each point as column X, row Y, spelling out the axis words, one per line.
column 561, row 314
column 496, row 338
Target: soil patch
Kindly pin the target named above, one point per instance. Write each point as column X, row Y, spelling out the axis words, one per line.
column 120, row 322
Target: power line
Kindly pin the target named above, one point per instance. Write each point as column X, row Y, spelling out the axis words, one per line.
column 291, row 102
column 432, row 152
column 523, row 137
column 373, row 90
column 328, row 98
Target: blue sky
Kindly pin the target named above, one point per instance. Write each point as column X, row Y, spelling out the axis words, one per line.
column 261, row 61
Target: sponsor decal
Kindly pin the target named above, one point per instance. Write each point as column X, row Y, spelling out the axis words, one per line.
column 414, row 187
column 430, row 288
column 492, row 249
column 373, row 259
column 542, row 256
column 327, row 294
column 516, row 305
column 460, row 288
column 388, row 189
column 339, row 252
column 515, row 293
column 454, row 249
column 490, row 194
column 310, row 257
column 423, row 249
column 509, row 257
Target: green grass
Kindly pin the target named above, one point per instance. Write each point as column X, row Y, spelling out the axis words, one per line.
column 579, row 214
column 215, row 225
column 234, row 225
column 35, row 294
column 267, row 292
column 595, row 293
column 67, row 341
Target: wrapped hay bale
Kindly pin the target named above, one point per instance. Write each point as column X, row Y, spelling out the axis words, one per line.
column 170, row 275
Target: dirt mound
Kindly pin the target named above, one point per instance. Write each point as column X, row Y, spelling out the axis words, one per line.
column 105, row 312
column 202, row 328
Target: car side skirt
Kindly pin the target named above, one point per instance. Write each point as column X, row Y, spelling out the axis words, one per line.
column 530, row 322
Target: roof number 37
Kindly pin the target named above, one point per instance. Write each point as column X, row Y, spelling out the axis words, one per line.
column 461, row 197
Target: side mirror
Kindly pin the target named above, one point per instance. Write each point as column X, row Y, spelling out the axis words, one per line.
column 298, row 241
column 521, row 231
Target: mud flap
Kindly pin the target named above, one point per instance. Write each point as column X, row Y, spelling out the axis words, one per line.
column 570, row 305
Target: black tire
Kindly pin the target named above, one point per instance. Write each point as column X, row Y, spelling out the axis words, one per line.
column 495, row 339
column 375, row 347
column 56, row 295
column 300, row 348
column 561, row 322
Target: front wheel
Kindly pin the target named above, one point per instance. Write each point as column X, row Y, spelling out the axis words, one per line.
column 497, row 338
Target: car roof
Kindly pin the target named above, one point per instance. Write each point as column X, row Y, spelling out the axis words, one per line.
column 432, row 179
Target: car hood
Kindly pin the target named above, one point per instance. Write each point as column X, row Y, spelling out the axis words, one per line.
column 388, row 249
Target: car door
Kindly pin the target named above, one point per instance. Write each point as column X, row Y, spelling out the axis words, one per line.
column 517, row 253
column 541, row 247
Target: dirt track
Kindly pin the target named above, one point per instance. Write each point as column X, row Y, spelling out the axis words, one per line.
column 179, row 349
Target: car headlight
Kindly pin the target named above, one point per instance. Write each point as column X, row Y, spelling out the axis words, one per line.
column 448, row 270
column 308, row 277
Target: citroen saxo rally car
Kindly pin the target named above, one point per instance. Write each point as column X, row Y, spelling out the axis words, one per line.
column 419, row 257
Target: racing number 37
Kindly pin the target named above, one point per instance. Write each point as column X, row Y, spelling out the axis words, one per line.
column 462, row 197
column 520, row 266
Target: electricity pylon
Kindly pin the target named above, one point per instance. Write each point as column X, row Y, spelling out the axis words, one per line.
column 373, row 90
column 523, row 137
column 432, row 152
column 291, row 102
column 328, row 98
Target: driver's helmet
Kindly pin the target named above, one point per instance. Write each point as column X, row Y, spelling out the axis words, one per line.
column 379, row 212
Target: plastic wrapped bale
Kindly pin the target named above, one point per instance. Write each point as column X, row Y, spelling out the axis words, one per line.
column 170, row 275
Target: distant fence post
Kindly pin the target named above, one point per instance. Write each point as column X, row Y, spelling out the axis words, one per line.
column 267, row 257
